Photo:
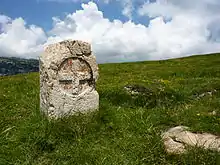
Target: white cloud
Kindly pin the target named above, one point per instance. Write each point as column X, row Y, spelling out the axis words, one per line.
column 4, row 19
column 114, row 41
column 18, row 40
column 127, row 8
column 127, row 5
column 169, row 8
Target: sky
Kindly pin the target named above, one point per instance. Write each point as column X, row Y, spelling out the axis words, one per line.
column 118, row 30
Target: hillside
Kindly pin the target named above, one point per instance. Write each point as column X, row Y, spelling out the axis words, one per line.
column 12, row 65
column 126, row 129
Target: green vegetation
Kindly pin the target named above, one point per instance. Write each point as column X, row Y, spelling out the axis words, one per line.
column 126, row 129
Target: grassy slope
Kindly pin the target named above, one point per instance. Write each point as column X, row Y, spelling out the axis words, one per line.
column 124, row 130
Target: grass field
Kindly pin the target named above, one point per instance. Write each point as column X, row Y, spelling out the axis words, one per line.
column 126, row 130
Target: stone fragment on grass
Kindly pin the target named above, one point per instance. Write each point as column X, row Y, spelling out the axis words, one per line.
column 137, row 89
column 178, row 138
column 209, row 93
column 68, row 72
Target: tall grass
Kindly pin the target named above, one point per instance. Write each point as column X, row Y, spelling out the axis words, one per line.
column 126, row 129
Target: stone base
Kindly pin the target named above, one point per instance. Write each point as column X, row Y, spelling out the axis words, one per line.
column 68, row 106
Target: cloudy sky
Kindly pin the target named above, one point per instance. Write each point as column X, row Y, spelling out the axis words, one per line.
column 119, row 30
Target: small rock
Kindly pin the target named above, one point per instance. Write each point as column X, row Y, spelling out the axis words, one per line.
column 175, row 140
column 213, row 113
column 137, row 89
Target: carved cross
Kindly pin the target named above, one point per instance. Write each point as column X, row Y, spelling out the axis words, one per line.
column 74, row 76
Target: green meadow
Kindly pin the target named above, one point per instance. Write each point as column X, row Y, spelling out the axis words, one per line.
column 126, row 130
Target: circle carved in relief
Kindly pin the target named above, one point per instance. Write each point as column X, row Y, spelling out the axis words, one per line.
column 75, row 76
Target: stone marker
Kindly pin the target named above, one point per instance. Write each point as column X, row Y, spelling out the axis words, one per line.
column 68, row 73
column 176, row 139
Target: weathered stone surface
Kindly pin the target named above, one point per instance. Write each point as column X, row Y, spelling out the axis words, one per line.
column 176, row 139
column 68, row 72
